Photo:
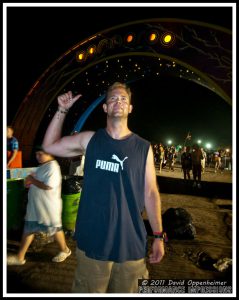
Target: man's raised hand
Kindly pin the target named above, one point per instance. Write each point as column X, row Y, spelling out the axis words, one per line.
column 67, row 100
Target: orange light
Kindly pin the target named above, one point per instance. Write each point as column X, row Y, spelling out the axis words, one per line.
column 152, row 37
column 92, row 50
column 130, row 38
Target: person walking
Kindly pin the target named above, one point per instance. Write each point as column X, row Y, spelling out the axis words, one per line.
column 203, row 160
column 186, row 162
column 14, row 155
column 170, row 159
column 119, row 182
column 196, row 165
column 161, row 157
column 44, row 208
column 217, row 160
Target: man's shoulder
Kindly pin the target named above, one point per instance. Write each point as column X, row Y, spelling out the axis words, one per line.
column 140, row 138
column 86, row 135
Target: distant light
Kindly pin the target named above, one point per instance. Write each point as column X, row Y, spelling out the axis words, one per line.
column 208, row 146
column 153, row 36
column 81, row 56
column 227, row 150
column 199, row 141
column 169, row 142
column 129, row 38
column 91, row 50
column 167, row 38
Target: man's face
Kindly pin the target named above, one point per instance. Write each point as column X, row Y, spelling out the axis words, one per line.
column 118, row 103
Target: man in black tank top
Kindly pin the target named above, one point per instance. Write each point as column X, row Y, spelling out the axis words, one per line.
column 119, row 182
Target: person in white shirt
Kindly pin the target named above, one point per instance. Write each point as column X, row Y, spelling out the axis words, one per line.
column 203, row 160
column 44, row 208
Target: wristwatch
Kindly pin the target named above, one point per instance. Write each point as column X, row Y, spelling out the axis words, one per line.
column 160, row 235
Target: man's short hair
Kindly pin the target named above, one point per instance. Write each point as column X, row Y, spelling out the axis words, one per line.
column 116, row 85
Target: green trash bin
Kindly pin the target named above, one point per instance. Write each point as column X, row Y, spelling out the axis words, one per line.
column 69, row 211
column 15, row 203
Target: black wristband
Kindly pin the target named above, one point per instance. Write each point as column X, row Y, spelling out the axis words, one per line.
column 162, row 236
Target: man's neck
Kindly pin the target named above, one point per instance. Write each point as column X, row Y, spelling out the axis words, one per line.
column 118, row 130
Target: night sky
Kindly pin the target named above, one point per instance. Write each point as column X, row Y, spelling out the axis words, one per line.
column 163, row 109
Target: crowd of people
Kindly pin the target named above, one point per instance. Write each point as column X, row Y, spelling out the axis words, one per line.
column 191, row 158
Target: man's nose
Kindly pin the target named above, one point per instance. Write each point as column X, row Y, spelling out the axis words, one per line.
column 118, row 99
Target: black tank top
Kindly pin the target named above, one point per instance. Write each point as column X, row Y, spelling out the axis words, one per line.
column 109, row 223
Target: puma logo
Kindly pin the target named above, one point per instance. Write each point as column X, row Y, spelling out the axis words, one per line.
column 110, row 166
column 115, row 157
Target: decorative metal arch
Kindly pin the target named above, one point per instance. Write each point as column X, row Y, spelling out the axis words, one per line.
column 196, row 51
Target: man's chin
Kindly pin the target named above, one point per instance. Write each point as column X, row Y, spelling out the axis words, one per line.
column 117, row 114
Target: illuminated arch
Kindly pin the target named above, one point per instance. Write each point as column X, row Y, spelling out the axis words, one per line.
column 202, row 49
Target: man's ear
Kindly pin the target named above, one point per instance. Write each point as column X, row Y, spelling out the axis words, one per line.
column 130, row 108
column 105, row 107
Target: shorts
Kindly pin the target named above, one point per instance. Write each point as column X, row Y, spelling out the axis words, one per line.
column 96, row 276
column 34, row 227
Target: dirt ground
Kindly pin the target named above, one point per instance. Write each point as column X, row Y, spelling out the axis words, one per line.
column 212, row 218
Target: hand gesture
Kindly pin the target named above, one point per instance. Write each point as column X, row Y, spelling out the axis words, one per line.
column 67, row 100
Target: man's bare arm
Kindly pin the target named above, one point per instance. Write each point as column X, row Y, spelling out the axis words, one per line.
column 70, row 146
column 153, row 208
column 67, row 146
